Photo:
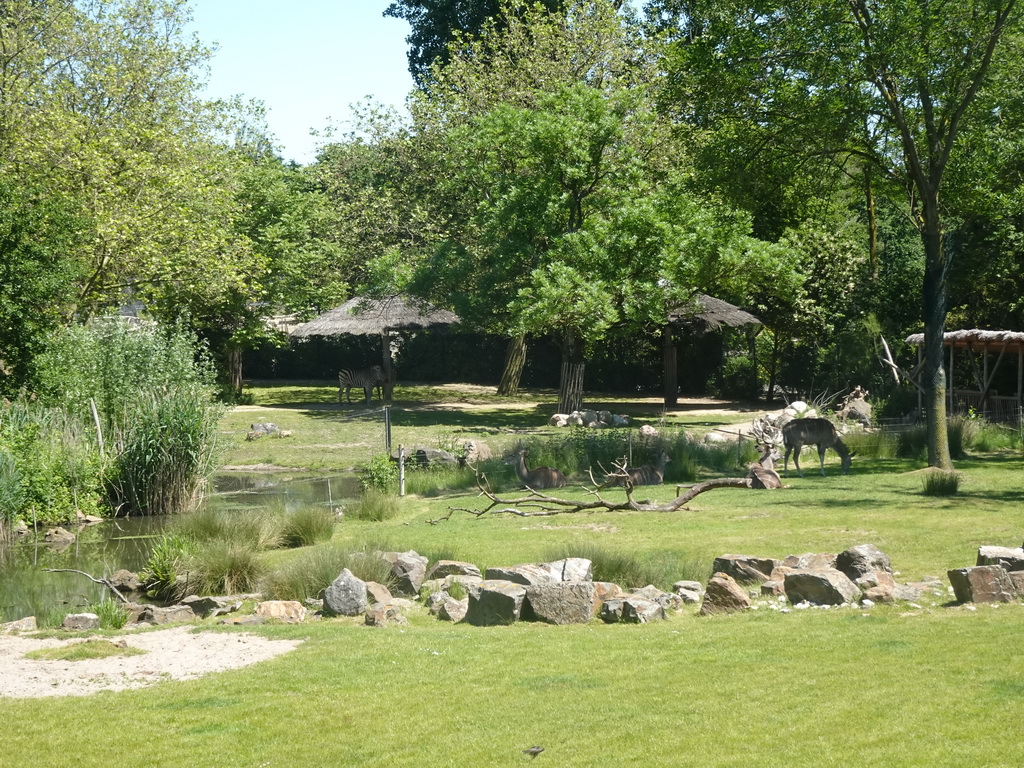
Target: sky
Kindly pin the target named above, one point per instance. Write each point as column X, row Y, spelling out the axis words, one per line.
column 307, row 60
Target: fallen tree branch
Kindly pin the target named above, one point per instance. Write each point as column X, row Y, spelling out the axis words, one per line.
column 106, row 583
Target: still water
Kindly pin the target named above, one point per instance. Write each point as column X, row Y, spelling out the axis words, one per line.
column 27, row 590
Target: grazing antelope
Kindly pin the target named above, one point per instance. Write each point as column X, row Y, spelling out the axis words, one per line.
column 821, row 432
column 538, row 477
column 649, row 474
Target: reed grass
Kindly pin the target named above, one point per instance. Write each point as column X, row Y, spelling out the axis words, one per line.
column 223, row 567
column 628, row 570
column 937, row 482
column 374, row 506
column 310, row 572
column 307, row 525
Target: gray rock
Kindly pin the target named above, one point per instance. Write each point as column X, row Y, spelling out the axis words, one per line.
column 723, row 594
column 526, row 574
column 605, row 590
column 28, row 624
column 640, row 610
column 1017, row 580
column 125, row 581
column 476, row 450
column 205, row 606
column 810, row 561
column 409, row 569
column 495, row 601
column 286, row 611
column 982, row 584
column 1009, row 558
column 174, row 614
column 611, row 610
column 383, row 615
column 81, row 621
column 561, row 602
column 377, row 593
column 252, row 620
column 570, row 569
column 443, row 568
column 453, row 610
column 346, row 596
column 820, row 587
column 862, row 559
column 746, row 569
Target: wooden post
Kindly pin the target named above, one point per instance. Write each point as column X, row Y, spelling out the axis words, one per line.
column 401, row 471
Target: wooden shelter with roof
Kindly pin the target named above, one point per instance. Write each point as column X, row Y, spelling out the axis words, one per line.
column 377, row 317
column 985, row 351
column 703, row 313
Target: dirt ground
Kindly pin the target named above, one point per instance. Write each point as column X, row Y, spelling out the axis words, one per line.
column 171, row 654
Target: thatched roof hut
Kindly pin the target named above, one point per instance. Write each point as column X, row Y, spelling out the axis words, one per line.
column 364, row 317
column 980, row 344
column 383, row 317
column 711, row 313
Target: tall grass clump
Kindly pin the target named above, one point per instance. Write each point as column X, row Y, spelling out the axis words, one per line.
column 307, row 525
column 373, row 506
column 627, row 569
column 309, row 573
column 938, row 482
column 227, row 567
column 256, row 529
column 165, row 575
column 150, row 389
column 113, row 615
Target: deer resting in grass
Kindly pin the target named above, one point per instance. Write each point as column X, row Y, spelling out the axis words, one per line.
column 649, row 474
column 538, row 477
column 821, row 432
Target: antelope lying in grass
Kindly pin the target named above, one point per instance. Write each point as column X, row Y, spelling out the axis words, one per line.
column 821, row 432
column 649, row 474
column 538, row 477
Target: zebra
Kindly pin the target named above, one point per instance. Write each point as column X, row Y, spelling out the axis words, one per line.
column 366, row 379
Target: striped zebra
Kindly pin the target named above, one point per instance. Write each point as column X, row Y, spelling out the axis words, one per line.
column 366, row 379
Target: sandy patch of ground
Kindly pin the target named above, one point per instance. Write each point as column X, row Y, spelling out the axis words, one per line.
column 172, row 654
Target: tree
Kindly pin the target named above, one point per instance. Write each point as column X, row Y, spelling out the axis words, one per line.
column 437, row 24
column 893, row 83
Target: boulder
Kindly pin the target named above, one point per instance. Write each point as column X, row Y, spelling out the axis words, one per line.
column 453, row 610
column 476, row 450
column 443, row 568
column 377, row 593
column 520, row 574
column 746, row 569
column 723, row 594
column 560, row 602
column 667, row 600
column 1009, row 558
column 384, row 614
column 409, row 569
column 605, row 590
column 495, row 601
column 820, row 587
column 982, row 584
column 810, row 561
column 570, row 569
column 640, row 610
column 426, row 457
column 28, row 624
column 689, row 591
column 346, row 596
column 58, row 536
column 611, row 610
column 211, row 606
column 173, row 614
column 81, row 621
column 862, row 559
column 287, row 611
column 1017, row 580
column 647, row 432
column 124, row 581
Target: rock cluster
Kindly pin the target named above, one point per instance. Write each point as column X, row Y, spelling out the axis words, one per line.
column 589, row 418
column 859, row 574
column 996, row 577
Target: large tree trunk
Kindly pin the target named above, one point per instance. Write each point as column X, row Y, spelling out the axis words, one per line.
column 515, row 362
column 670, row 370
column 934, row 315
column 233, row 363
column 570, row 390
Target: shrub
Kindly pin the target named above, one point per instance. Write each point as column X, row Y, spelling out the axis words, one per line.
column 939, row 482
column 12, row 494
column 380, row 474
column 373, row 506
column 307, row 525
column 167, row 561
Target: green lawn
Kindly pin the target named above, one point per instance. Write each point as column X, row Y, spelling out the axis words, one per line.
column 936, row 685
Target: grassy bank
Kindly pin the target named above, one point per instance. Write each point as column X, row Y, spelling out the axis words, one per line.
column 939, row 685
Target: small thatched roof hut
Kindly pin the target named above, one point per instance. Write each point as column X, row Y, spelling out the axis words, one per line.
column 711, row 313
column 364, row 317
column 383, row 317
column 978, row 343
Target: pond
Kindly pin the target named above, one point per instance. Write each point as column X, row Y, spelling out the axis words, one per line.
column 26, row 589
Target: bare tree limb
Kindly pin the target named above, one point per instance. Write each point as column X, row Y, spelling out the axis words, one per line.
column 105, row 582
